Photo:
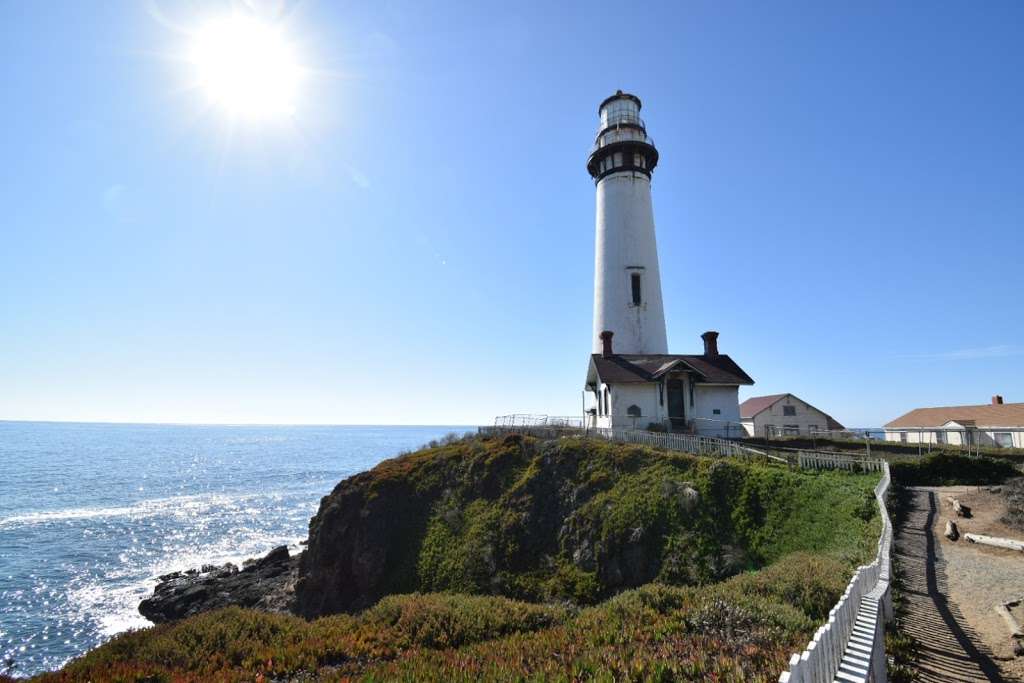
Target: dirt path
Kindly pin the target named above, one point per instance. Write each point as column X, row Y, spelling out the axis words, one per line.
column 950, row 649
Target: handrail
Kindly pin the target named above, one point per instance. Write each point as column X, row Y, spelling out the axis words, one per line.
column 544, row 426
column 850, row 646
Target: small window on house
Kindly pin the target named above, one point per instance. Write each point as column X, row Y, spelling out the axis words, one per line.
column 789, row 411
column 791, row 430
column 903, row 437
column 633, row 411
column 606, row 401
column 716, row 411
column 634, row 280
column 940, row 437
column 1003, row 439
column 811, row 429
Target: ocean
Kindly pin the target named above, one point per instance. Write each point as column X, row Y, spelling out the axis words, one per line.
column 91, row 514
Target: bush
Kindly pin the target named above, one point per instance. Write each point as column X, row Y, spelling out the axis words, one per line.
column 946, row 469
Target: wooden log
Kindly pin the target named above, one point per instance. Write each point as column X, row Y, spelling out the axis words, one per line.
column 1015, row 630
column 959, row 508
column 995, row 541
column 952, row 533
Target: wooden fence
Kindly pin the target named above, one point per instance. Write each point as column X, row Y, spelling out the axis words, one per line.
column 816, row 460
column 850, row 646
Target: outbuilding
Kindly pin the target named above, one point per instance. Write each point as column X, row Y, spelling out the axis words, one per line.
column 784, row 415
column 995, row 424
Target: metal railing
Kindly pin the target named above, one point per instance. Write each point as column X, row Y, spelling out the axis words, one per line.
column 619, row 118
column 613, row 135
column 528, row 420
column 544, row 426
column 852, row 641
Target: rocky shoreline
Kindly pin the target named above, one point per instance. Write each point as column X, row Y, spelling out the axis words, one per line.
column 266, row 583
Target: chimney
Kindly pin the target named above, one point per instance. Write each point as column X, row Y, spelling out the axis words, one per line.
column 606, row 343
column 997, row 400
column 710, row 343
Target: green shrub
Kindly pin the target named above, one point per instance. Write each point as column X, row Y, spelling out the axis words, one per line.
column 946, row 469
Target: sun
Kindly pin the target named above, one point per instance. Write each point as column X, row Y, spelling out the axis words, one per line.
column 246, row 67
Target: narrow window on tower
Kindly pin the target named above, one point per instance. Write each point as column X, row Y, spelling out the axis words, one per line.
column 635, row 281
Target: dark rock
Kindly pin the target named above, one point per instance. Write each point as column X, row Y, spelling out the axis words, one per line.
column 266, row 583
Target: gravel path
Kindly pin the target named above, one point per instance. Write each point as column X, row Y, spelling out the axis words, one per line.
column 950, row 649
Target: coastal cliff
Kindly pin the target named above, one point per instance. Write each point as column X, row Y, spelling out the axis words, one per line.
column 566, row 520
column 511, row 559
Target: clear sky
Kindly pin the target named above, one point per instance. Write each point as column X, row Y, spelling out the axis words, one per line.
column 839, row 194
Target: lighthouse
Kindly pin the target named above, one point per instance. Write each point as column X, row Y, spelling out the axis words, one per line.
column 627, row 283
column 633, row 382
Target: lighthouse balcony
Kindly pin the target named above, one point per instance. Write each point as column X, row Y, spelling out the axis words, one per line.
column 616, row 135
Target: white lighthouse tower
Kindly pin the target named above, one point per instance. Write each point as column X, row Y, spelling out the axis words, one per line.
column 627, row 284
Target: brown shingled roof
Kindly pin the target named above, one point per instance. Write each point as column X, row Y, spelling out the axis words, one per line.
column 626, row 368
column 999, row 415
column 755, row 404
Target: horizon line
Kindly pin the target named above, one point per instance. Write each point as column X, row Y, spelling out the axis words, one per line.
column 233, row 424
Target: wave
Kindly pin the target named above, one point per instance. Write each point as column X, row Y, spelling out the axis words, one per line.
column 111, row 601
column 180, row 506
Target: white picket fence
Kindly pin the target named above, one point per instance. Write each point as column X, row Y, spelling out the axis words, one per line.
column 816, row 460
column 850, row 646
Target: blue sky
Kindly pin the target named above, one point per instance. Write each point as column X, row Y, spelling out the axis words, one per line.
column 839, row 194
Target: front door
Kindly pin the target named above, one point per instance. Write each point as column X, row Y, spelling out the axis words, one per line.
column 676, row 404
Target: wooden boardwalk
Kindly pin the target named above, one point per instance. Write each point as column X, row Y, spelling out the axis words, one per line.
column 949, row 649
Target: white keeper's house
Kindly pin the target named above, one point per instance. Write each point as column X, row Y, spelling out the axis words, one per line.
column 993, row 424
column 632, row 379
column 784, row 415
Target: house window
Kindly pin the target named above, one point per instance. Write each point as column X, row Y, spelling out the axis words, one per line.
column 606, row 397
column 633, row 411
column 634, row 280
column 1003, row 439
column 903, row 437
column 940, row 437
column 789, row 411
column 791, row 430
column 811, row 429
column 716, row 411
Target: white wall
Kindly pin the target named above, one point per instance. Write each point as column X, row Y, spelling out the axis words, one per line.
column 654, row 408
column 708, row 398
column 624, row 242
column 642, row 395
column 807, row 418
column 984, row 436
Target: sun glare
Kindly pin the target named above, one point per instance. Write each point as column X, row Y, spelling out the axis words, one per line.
column 246, row 67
